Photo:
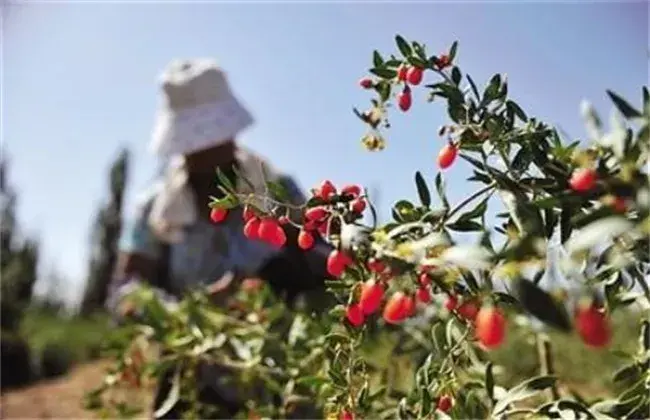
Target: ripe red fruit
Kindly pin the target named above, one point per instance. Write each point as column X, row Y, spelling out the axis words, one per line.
column 404, row 99
column 424, row 279
column 451, row 303
column 490, row 327
column 376, row 266
column 592, row 326
column 218, row 215
column 443, row 61
column 445, row 402
column 414, row 75
column 351, row 190
column 354, row 314
column 423, row 294
column 365, row 83
column 398, row 308
column 316, row 213
column 305, row 240
column 409, row 306
column 322, row 228
column 270, row 231
column 358, row 205
column 346, row 415
column 371, row 294
column 402, row 73
column 583, row 179
column 252, row 227
column 468, row 310
column 326, row 190
column 447, row 156
column 248, row 214
column 337, row 262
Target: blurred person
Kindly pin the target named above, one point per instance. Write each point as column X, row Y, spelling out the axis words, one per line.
column 172, row 243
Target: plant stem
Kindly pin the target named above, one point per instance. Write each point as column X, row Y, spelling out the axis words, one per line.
column 546, row 362
column 470, row 199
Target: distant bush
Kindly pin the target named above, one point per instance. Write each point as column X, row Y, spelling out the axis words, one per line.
column 15, row 361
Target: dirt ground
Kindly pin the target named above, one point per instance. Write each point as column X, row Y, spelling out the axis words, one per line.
column 57, row 398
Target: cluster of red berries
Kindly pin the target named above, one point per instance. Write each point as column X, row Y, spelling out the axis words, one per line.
column 316, row 220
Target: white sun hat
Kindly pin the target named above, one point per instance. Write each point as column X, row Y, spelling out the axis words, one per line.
column 199, row 110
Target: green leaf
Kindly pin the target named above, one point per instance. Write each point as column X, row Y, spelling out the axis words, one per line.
column 172, row 397
column 384, row 90
column 423, row 190
column 516, row 109
column 541, row 305
column 452, row 51
column 377, row 61
column 440, row 188
column 625, row 108
column 646, row 101
column 465, row 226
column 417, row 62
column 425, row 400
column 627, row 373
column 473, row 86
column 489, row 381
column 403, row 46
column 278, row 191
column 224, row 181
column 473, row 161
column 477, row 211
column 522, row 391
column 456, row 76
column 644, row 337
column 492, row 90
column 384, row 73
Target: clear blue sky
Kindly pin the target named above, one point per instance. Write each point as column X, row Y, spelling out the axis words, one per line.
column 80, row 81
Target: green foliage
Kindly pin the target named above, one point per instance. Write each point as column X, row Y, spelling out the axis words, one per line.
column 108, row 226
column 437, row 364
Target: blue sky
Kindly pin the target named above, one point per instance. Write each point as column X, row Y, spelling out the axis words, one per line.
column 79, row 81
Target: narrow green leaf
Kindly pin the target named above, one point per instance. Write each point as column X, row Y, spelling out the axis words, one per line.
column 403, row 46
column 477, row 211
column 465, row 226
column 517, row 110
column 440, row 188
column 456, row 76
column 423, row 190
column 626, row 109
column 377, row 61
column 384, row 90
column 452, row 51
column 473, row 86
column 404, row 211
column 489, row 381
column 626, row 373
column 522, row 391
column 491, row 90
column 224, row 181
column 384, row 73
column 541, row 305
column 417, row 62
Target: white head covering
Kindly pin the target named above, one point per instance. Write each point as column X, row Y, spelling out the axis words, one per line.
column 198, row 111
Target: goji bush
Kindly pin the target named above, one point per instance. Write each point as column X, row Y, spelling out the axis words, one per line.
column 444, row 303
